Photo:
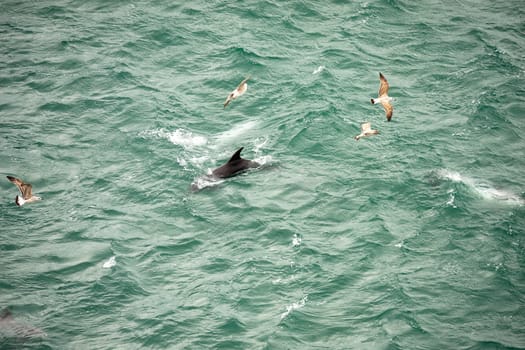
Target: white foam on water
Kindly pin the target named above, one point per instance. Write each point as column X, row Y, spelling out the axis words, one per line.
column 296, row 240
column 318, row 70
column 236, row 132
column 264, row 160
column 110, row 262
column 294, row 306
column 199, row 160
column 451, row 175
column 452, row 198
column 204, row 182
column 179, row 137
column 482, row 188
column 260, row 143
column 186, row 139
column 182, row 162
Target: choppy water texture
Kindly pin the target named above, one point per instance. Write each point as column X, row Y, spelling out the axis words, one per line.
column 411, row 239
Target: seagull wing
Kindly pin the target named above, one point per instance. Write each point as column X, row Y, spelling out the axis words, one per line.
column 383, row 86
column 242, row 83
column 228, row 99
column 241, row 89
column 389, row 110
column 25, row 188
column 366, row 127
column 237, row 92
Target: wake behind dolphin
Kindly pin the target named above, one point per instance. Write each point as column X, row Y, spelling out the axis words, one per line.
column 482, row 188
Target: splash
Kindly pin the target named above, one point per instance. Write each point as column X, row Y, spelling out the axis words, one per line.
column 452, row 198
column 186, row 139
column 319, row 70
column 179, row 137
column 205, row 182
column 296, row 240
column 110, row 263
column 294, row 306
column 482, row 188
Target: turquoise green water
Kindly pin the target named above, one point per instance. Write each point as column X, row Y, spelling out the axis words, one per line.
column 411, row 239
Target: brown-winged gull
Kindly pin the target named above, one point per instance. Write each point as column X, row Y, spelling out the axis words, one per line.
column 25, row 190
column 383, row 97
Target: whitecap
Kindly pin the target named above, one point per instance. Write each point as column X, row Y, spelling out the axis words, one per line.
column 296, row 240
column 294, row 306
column 482, row 188
column 451, row 199
column 318, row 69
column 186, row 139
column 110, row 263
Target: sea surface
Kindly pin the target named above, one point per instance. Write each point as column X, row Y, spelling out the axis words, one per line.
column 410, row 239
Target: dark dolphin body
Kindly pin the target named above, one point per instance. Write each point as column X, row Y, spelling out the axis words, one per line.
column 11, row 329
column 234, row 166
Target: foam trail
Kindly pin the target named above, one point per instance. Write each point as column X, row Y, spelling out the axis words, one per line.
column 482, row 188
column 179, row 137
column 235, row 132
column 204, row 182
column 186, row 139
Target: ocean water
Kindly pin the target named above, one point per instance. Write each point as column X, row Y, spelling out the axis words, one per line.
column 410, row 239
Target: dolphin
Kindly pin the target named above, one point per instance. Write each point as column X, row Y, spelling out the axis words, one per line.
column 234, row 166
column 10, row 328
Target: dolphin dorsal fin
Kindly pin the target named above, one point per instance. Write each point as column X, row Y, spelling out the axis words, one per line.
column 236, row 155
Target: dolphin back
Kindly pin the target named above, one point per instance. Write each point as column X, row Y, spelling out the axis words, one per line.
column 235, row 165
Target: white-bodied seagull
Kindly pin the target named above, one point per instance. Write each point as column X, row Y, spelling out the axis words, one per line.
column 241, row 89
column 366, row 130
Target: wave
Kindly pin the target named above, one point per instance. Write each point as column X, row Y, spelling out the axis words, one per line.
column 482, row 188
column 294, row 306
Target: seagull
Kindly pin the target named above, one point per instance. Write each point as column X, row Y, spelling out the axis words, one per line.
column 25, row 189
column 383, row 97
column 241, row 89
column 366, row 130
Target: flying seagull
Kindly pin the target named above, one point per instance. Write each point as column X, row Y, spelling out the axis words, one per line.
column 383, row 97
column 241, row 89
column 366, row 130
column 25, row 189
